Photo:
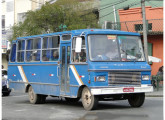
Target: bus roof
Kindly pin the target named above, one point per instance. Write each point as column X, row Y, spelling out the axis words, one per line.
column 84, row 31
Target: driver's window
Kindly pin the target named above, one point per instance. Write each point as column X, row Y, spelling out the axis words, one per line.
column 78, row 57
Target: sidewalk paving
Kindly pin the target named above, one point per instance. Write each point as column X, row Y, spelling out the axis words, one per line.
column 155, row 93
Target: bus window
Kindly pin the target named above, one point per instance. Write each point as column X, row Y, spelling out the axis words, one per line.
column 13, row 53
column 50, row 48
column 33, row 49
column 66, row 37
column 79, row 57
column 68, row 54
column 20, row 50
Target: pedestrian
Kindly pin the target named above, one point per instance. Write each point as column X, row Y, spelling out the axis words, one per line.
column 160, row 74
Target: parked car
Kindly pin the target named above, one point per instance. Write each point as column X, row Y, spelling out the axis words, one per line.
column 5, row 87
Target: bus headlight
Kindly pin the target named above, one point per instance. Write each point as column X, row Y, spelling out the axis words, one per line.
column 100, row 78
column 145, row 77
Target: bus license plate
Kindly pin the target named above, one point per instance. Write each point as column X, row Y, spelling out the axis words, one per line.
column 128, row 89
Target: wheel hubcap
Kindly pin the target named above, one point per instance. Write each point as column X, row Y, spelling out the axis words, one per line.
column 87, row 98
column 31, row 94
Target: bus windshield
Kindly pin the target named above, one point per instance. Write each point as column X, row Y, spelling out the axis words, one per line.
column 115, row 48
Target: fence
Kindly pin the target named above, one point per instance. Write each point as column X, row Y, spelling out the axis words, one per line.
column 154, row 26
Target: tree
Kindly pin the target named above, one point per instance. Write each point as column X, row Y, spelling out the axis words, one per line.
column 70, row 14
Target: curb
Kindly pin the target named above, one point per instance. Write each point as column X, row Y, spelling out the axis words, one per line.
column 154, row 95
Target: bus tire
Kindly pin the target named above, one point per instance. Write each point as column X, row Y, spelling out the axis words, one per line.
column 89, row 101
column 72, row 99
column 42, row 99
column 33, row 98
column 136, row 100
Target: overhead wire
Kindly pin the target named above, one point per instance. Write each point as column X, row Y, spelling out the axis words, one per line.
column 118, row 9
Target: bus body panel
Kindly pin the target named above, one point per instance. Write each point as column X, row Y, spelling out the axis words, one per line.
column 78, row 76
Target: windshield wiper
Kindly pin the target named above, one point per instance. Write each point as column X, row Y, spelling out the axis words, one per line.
column 131, row 58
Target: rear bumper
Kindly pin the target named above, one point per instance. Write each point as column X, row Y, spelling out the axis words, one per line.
column 121, row 90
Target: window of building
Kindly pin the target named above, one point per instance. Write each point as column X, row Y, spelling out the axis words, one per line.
column 21, row 17
column 50, row 48
column 20, row 50
column 3, row 21
column 78, row 57
column 10, row 6
column 33, row 49
column 13, row 53
column 139, row 27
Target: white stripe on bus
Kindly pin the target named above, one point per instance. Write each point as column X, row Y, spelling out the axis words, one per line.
column 76, row 75
column 22, row 74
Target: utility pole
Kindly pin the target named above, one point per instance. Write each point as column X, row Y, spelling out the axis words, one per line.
column 144, row 30
column 114, row 11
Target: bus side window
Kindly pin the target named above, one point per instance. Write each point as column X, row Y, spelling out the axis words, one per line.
column 13, row 53
column 78, row 57
column 33, row 49
column 20, row 50
column 50, row 48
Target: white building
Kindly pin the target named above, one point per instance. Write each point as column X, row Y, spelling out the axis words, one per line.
column 13, row 11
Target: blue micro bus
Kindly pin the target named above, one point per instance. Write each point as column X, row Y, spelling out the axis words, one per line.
column 91, row 64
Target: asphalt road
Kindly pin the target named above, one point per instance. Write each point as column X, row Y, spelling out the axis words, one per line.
column 17, row 107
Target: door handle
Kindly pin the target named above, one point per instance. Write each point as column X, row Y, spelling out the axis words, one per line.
column 68, row 72
column 57, row 71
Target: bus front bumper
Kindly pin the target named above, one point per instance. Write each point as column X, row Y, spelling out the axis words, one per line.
column 121, row 90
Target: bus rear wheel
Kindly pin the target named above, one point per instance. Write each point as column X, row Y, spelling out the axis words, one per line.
column 33, row 98
column 89, row 101
column 136, row 100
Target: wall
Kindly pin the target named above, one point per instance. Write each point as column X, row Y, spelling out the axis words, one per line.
column 106, row 8
column 157, row 41
column 4, row 61
column 134, row 16
column 21, row 6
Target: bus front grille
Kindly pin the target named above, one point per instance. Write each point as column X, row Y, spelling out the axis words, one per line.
column 124, row 78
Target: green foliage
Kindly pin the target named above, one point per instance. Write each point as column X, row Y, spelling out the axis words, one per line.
column 70, row 13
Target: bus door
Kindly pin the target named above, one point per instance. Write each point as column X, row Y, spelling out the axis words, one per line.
column 64, row 69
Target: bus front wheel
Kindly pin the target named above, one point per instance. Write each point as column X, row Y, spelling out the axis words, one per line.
column 136, row 100
column 33, row 98
column 89, row 101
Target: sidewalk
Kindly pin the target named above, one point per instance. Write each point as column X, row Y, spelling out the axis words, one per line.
column 155, row 93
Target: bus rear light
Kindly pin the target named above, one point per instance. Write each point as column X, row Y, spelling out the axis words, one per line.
column 14, row 75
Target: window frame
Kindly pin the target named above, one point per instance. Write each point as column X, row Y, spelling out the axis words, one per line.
column 32, row 49
column 11, row 53
column 20, row 50
column 66, row 34
column 58, row 48
column 84, row 48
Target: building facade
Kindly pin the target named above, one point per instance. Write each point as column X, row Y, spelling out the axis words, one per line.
column 131, row 20
column 13, row 12
column 108, row 10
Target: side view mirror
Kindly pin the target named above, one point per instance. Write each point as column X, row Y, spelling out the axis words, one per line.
column 78, row 44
